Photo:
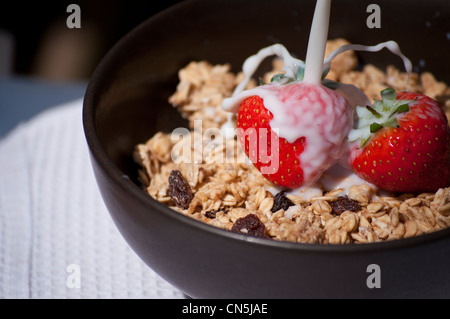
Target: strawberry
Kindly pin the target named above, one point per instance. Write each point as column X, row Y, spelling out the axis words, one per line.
column 404, row 143
column 293, row 132
column 253, row 114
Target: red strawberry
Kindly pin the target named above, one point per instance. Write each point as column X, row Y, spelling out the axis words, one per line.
column 405, row 143
column 253, row 114
column 312, row 122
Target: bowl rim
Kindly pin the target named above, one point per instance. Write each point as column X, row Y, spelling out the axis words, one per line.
column 132, row 190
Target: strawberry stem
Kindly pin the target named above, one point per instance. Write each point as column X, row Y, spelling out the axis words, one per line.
column 384, row 113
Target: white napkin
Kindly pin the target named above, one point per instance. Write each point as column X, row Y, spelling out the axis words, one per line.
column 57, row 238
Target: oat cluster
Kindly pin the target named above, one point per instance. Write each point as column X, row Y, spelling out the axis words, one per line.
column 217, row 185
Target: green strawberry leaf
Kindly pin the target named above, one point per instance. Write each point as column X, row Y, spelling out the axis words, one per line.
column 363, row 141
column 300, row 73
column 283, row 79
column 372, row 110
column 402, row 109
column 388, row 95
column 384, row 113
column 375, row 127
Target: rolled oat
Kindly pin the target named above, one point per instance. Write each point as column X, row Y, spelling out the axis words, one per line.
column 233, row 194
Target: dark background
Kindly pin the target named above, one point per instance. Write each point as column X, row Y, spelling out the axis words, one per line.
column 37, row 27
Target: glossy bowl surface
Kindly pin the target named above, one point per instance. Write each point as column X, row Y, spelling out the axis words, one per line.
column 127, row 102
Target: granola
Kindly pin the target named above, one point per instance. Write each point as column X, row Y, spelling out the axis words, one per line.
column 225, row 188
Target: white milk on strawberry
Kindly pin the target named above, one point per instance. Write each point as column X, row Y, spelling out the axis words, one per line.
column 325, row 131
column 306, row 109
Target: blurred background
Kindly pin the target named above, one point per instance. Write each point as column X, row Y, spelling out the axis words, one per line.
column 36, row 41
column 43, row 62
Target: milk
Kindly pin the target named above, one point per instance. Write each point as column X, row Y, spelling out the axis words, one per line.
column 324, row 148
column 317, row 42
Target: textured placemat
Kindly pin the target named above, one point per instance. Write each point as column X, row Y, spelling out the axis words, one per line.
column 57, row 238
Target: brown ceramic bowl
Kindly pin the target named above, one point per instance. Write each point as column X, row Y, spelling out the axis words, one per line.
column 126, row 103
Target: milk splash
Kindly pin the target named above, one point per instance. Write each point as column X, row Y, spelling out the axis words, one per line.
column 311, row 72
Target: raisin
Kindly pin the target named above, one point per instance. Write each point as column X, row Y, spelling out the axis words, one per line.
column 211, row 214
column 179, row 189
column 281, row 202
column 343, row 203
column 250, row 225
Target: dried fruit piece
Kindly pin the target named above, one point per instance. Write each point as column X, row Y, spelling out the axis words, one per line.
column 179, row 189
column 211, row 214
column 249, row 225
column 281, row 202
column 343, row 203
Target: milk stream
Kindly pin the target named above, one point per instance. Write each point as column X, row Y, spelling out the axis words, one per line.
column 317, row 42
column 338, row 176
column 390, row 45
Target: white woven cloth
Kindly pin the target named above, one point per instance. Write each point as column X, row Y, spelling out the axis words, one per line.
column 57, row 239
